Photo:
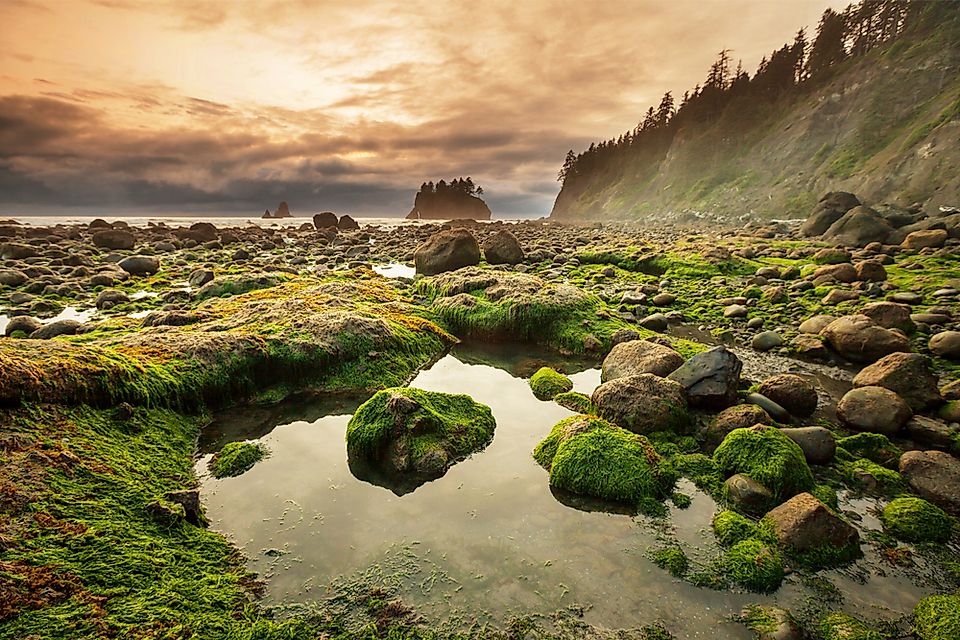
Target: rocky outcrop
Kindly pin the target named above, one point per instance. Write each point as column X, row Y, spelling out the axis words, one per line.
column 448, row 205
column 502, row 247
column 447, row 251
column 283, row 211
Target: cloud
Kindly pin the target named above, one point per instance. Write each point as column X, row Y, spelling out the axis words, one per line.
column 202, row 104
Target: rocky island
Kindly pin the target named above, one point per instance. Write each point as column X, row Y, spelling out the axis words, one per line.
column 458, row 200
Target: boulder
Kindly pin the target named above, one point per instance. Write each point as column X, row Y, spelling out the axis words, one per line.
column 639, row 356
column 934, row 238
column 110, row 298
column 773, row 409
column 642, row 403
column 803, row 523
column 26, row 324
column 843, row 272
column 873, row 409
column 818, row 443
column 140, row 265
column 447, row 251
column 791, row 392
column 889, row 315
column 54, row 329
column 906, row 374
column 739, row 416
column 710, row 378
column 766, row 340
column 858, row 227
column 859, row 339
column 502, row 247
column 816, row 324
column 767, row 456
column 746, row 494
column 935, row 476
column 831, row 208
column 946, row 344
column 347, row 223
column 325, row 220
column 871, row 271
column 114, row 239
column 200, row 277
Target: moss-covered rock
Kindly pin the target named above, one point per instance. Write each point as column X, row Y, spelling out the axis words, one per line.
column 873, row 446
column 547, row 383
column 842, row 626
column 916, row 520
column 236, row 458
column 937, row 618
column 767, row 456
column 673, row 559
column 407, row 431
column 753, row 564
column 868, row 476
column 589, row 456
column 575, row 401
column 730, row 528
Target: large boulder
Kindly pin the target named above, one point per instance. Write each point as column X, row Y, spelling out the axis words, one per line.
column 791, row 392
column 114, row 239
column 818, row 443
column 710, row 378
column 831, row 208
column 858, row 227
column 447, row 251
column 906, row 374
column 23, row 324
column 347, row 223
column 873, row 409
column 803, row 524
column 860, row 339
column 57, row 328
column 946, row 344
column 406, row 431
column 739, row 416
column 640, row 356
column 140, row 265
column 325, row 220
column 502, row 247
column 767, row 456
column 642, row 403
column 934, row 238
column 590, row 457
column 934, row 475
column 889, row 315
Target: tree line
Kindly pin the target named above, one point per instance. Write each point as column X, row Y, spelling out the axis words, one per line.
column 796, row 66
column 464, row 186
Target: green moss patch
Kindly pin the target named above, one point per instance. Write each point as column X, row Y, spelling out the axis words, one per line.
column 916, row 520
column 937, row 618
column 592, row 457
column 843, row 626
column 547, row 383
column 873, row 446
column 768, row 456
column 236, row 458
column 754, row 565
column 673, row 559
column 730, row 528
column 416, row 431
column 575, row 401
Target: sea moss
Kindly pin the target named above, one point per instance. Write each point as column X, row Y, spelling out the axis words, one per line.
column 731, row 528
column 591, row 457
column 547, row 383
column 865, row 475
column 673, row 559
column 873, row 446
column 937, row 618
column 916, row 520
column 753, row 564
column 842, row 626
column 766, row 455
column 236, row 458
column 421, row 431
column 575, row 401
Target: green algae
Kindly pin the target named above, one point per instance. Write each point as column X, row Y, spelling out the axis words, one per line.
column 916, row 520
column 730, row 528
column 937, row 618
column 236, row 458
column 589, row 456
column 753, row 564
column 873, row 446
column 842, row 626
column 575, row 401
column 673, row 559
column 766, row 455
column 547, row 383
column 425, row 423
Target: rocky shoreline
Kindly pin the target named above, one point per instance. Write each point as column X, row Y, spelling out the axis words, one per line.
column 119, row 342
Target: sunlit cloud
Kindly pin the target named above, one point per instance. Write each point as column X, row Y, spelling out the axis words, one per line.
column 174, row 105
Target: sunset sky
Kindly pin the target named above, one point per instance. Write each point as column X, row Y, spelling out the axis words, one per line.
column 130, row 106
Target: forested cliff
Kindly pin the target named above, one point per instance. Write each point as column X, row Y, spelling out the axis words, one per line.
column 869, row 103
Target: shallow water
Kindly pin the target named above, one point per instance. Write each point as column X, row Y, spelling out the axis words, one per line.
column 395, row 270
column 68, row 313
column 489, row 538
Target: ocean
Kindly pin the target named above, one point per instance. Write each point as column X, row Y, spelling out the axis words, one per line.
column 218, row 221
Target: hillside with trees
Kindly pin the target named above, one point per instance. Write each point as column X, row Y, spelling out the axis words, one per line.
column 869, row 103
column 458, row 199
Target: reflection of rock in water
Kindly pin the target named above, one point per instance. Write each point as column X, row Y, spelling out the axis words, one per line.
column 519, row 360
column 254, row 422
column 399, row 483
column 591, row 505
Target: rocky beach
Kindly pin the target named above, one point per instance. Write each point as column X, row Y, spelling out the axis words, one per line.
column 797, row 380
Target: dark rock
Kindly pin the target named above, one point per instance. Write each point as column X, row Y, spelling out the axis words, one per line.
column 325, row 220
column 140, row 265
column 54, row 329
column 711, row 378
column 642, row 403
column 114, row 239
column 447, row 251
column 639, row 356
column 935, row 476
column 746, row 494
column 26, row 324
column 346, row 223
column 831, row 208
column 818, row 443
column 791, row 392
column 803, row 523
column 502, row 247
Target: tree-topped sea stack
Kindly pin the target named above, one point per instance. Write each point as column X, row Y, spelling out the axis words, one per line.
column 458, row 200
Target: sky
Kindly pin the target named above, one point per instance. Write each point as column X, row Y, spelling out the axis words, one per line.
column 229, row 106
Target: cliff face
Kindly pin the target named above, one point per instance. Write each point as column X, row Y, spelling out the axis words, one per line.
column 885, row 126
column 449, row 205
